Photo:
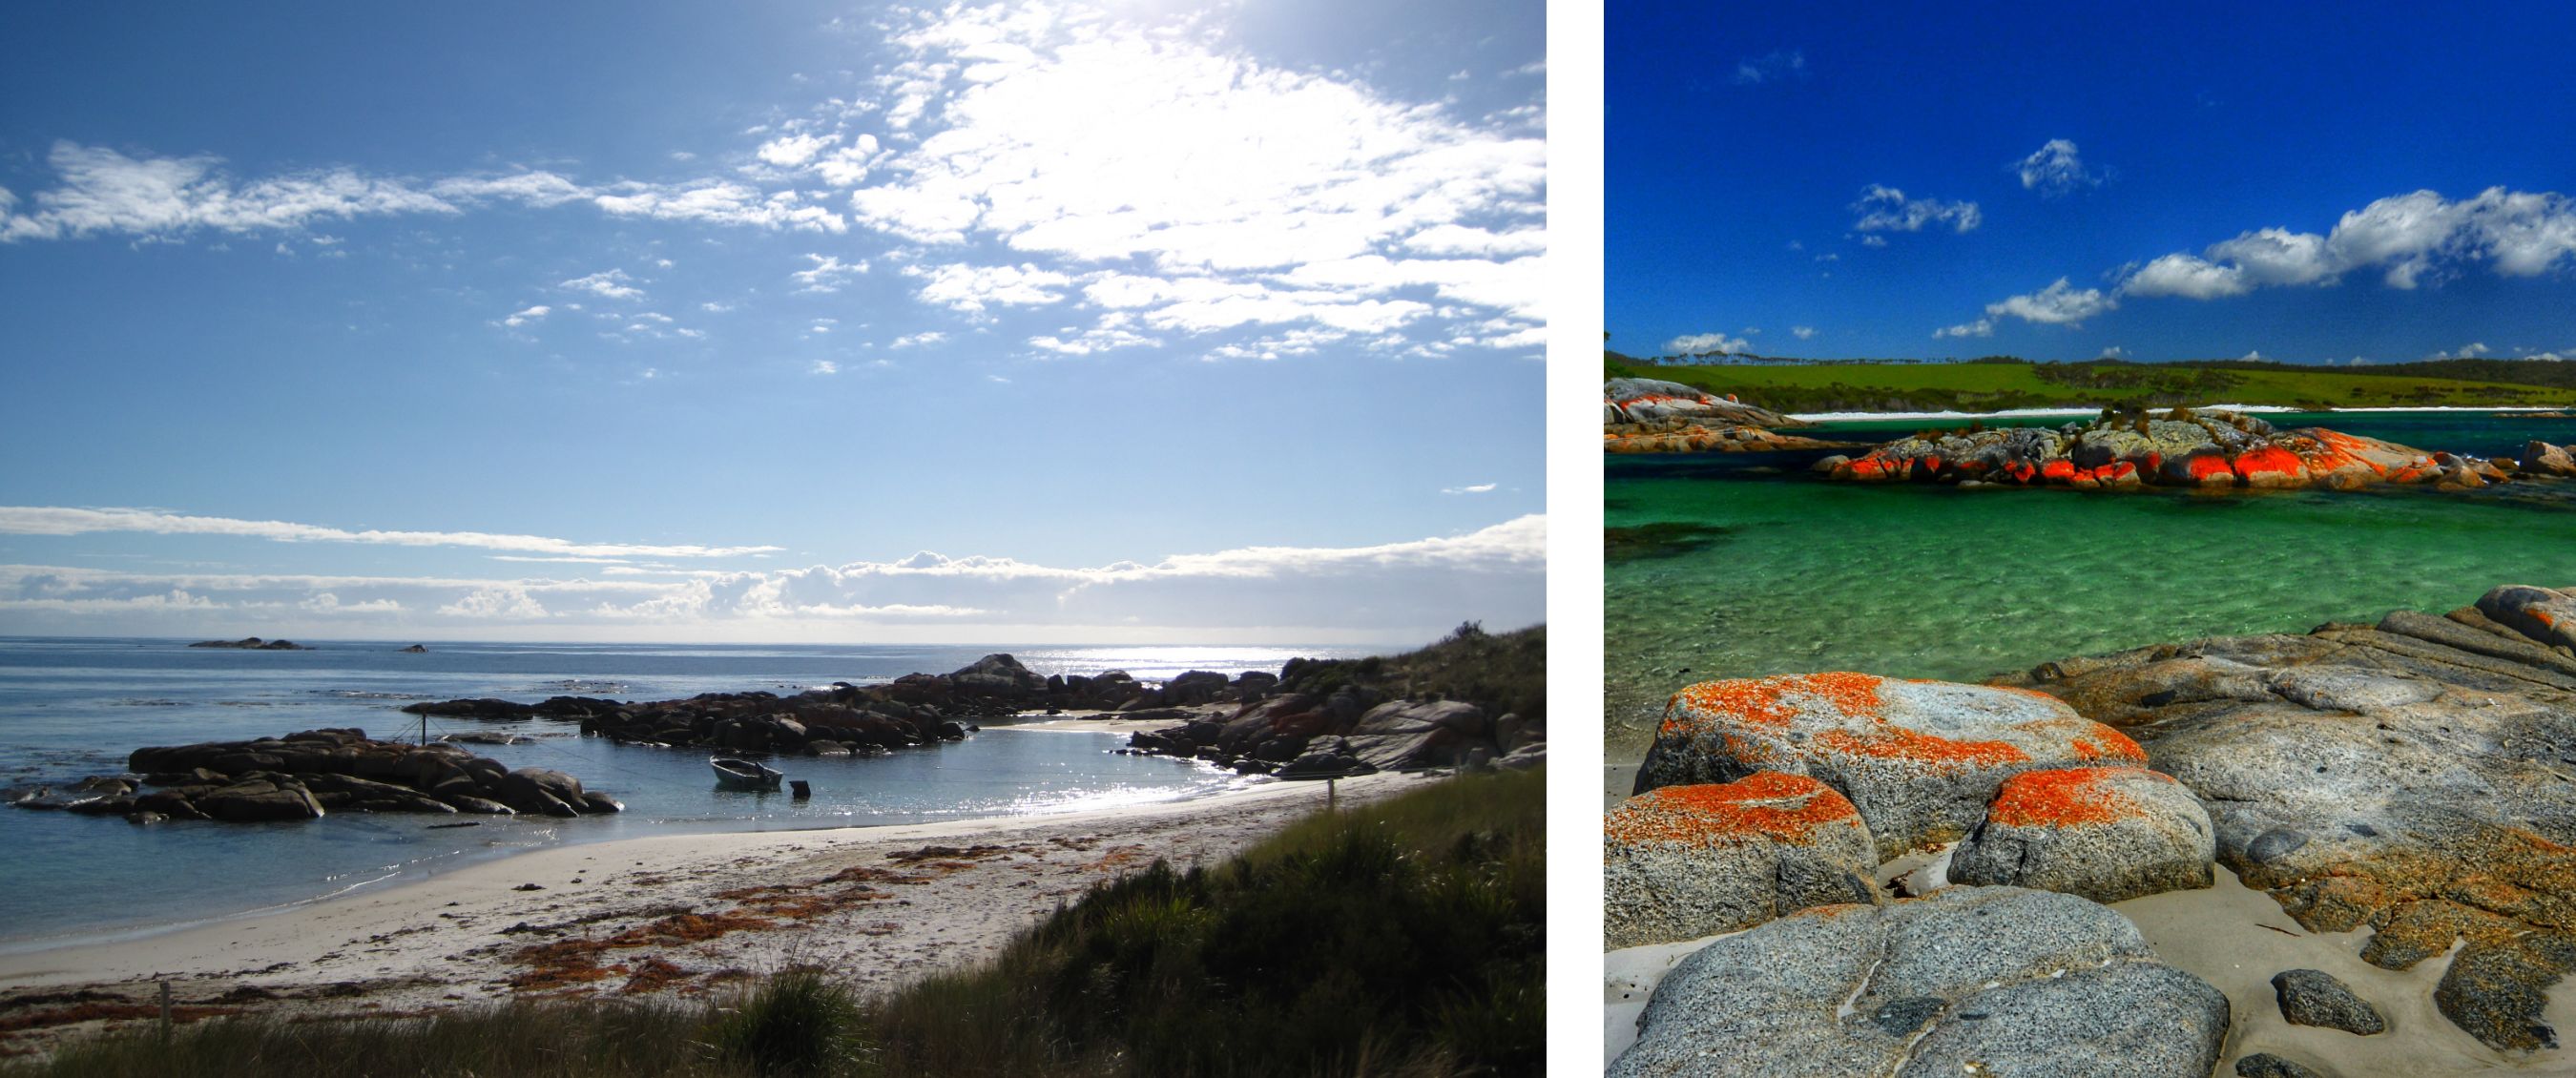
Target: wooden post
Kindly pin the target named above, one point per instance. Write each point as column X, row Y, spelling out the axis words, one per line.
column 165, row 1012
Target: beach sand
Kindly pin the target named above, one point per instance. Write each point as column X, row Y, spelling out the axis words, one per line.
column 880, row 906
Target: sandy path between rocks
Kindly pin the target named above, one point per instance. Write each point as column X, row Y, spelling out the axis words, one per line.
column 682, row 913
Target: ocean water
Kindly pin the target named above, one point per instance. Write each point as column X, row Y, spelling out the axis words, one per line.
column 1754, row 567
column 72, row 708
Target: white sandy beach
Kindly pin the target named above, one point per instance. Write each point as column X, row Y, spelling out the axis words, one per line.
column 686, row 913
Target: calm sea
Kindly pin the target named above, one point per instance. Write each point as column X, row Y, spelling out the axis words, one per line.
column 71, row 708
column 1785, row 573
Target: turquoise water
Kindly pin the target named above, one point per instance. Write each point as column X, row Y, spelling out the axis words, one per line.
column 1760, row 569
column 70, row 708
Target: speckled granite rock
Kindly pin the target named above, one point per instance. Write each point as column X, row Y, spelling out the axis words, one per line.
column 2416, row 778
column 2016, row 982
column 1683, row 862
column 2220, row 449
column 2314, row 997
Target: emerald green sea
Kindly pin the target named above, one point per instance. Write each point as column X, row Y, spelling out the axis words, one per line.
column 1744, row 565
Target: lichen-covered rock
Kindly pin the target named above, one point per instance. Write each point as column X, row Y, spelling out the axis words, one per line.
column 1681, row 862
column 1982, row 980
column 1647, row 400
column 2409, row 778
column 2211, row 449
column 2314, row 997
column 2546, row 615
column 2106, row 833
column 1920, row 759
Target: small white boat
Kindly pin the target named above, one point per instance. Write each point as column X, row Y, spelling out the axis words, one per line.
column 744, row 774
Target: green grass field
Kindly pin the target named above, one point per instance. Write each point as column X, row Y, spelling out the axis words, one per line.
column 1912, row 387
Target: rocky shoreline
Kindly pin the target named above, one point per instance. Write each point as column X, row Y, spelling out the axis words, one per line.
column 2411, row 781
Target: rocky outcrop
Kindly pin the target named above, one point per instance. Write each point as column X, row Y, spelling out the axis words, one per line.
column 2542, row 458
column 2416, row 778
column 1920, row 759
column 1649, row 400
column 1676, row 437
column 2210, row 449
column 2267, row 1065
column 1641, row 415
column 252, row 643
column 304, row 775
column 2312, row 997
column 2106, row 833
column 1985, row 980
column 1682, row 862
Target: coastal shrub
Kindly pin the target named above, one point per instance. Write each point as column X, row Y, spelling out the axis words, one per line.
column 797, row 1023
column 1400, row 937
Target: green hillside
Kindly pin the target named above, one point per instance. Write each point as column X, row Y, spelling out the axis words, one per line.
column 1996, row 384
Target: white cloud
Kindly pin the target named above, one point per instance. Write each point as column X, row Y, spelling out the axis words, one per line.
column 56, row 520
column 721, row 202
column 1983, row 327
column 1704, row 343
column 606, row 284
column 827, row 273
column 2058, row 305
column 2473, row 350
column 793, row 150
column 2054, row 170
column 2411, row 239
column 1480, row 488
column 1803, row 333
column 526, row 316
column 928, row 336
column 972, row 288
column 1886, row 209
column 1773, row 67
column 496, row 604
column 825, row 366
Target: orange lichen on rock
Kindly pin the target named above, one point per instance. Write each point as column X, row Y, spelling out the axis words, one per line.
column 2209, row 466
column 1769, row 702
column 2060, row 470
column 2063, row 798
column 2109, row 744
column 1898, row 743
column 2269, row 460
column 1766, row 805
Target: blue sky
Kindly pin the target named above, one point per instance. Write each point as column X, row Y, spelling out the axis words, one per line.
column 1151, row 320
column 2313, row 183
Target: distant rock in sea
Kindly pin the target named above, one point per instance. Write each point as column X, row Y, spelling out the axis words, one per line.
column 415, row 649
column 303, row 775
column 252, row 643
column 2213, row 449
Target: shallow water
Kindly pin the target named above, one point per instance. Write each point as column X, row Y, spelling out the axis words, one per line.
column 1783, row 573
column 70, row 708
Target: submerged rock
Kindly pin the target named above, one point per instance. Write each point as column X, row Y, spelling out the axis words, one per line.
column 1920, row 759
column 2106, row 833
column 1968, row 980
column 2412, row 778
column 1681, row 862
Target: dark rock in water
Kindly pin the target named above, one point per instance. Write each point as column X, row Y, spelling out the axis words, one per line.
column 997, row 675
column 1661, row 539
column 1194, row 687
column 304, row 775
column 2267, row 1065
column 2311, row 997
column 252, row 643
column 416, row 649
column 2542, row 458
column 259, row 801
column 2409, row 777
column 1968, row 980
